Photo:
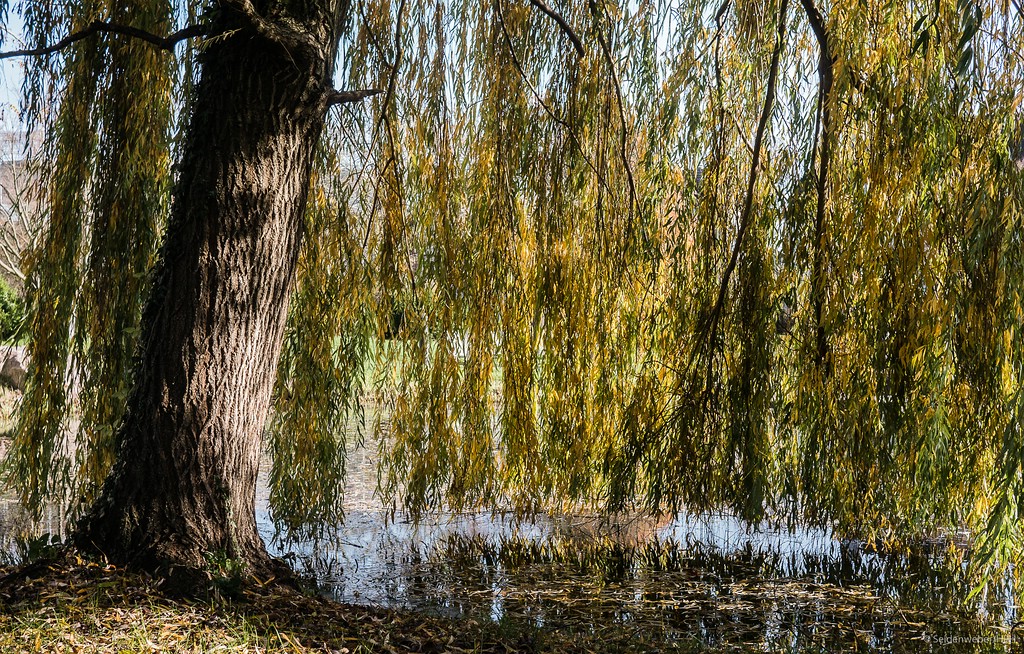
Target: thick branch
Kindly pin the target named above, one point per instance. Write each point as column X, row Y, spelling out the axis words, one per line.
column 817, row 22
column 98, row 26
column 345, row 97
column 562, row 24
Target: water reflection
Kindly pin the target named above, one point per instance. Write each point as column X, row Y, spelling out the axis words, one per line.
column 644, row 583
column 710, row 578
column 637, row 584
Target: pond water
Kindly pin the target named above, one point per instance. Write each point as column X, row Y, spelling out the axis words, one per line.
column 638, row 584
column 642, row 584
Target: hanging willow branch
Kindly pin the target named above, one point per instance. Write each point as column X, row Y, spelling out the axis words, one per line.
column 537, row 96
column 534, row 369
column 562, row 25
column 825, row 82
column 755, row 165
column 623, row 133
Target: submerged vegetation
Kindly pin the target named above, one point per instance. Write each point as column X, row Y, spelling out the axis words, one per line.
column 757, row 256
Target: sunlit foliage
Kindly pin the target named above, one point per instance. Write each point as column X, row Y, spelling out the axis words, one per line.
column 762, row 256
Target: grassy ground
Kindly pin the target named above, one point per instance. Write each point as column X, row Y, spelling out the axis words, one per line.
column 74, row 605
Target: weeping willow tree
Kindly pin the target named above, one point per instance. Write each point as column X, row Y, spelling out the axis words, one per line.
column 761, row 256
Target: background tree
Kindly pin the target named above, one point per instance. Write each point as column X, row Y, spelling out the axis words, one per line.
column 748, row 255
column 21, row 220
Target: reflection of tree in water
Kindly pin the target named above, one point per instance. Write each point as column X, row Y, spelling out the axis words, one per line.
column 796, row 592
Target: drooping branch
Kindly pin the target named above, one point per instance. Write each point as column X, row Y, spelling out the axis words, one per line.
column 823, row 144
column 634, row 204
column 99, row 27
column 817, row 22
column 517, row 64
column 720, row 141
column 385, row 120
column 382, row 119
column 755, row 165
column 562, row 25
column 395, row 67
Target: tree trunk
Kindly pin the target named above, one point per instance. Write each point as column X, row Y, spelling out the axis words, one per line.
column 184, row 481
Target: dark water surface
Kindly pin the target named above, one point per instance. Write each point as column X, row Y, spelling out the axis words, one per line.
column 642, row 583
column 638, row 584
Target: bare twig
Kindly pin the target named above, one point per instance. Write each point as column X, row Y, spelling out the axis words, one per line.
column 99, row 26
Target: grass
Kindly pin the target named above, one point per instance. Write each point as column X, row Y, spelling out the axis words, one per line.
column 152, row 626
column 75, row 605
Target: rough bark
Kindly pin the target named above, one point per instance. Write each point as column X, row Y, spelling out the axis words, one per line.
column 183, row 484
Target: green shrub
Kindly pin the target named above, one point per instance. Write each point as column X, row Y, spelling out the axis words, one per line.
column 12, row 313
